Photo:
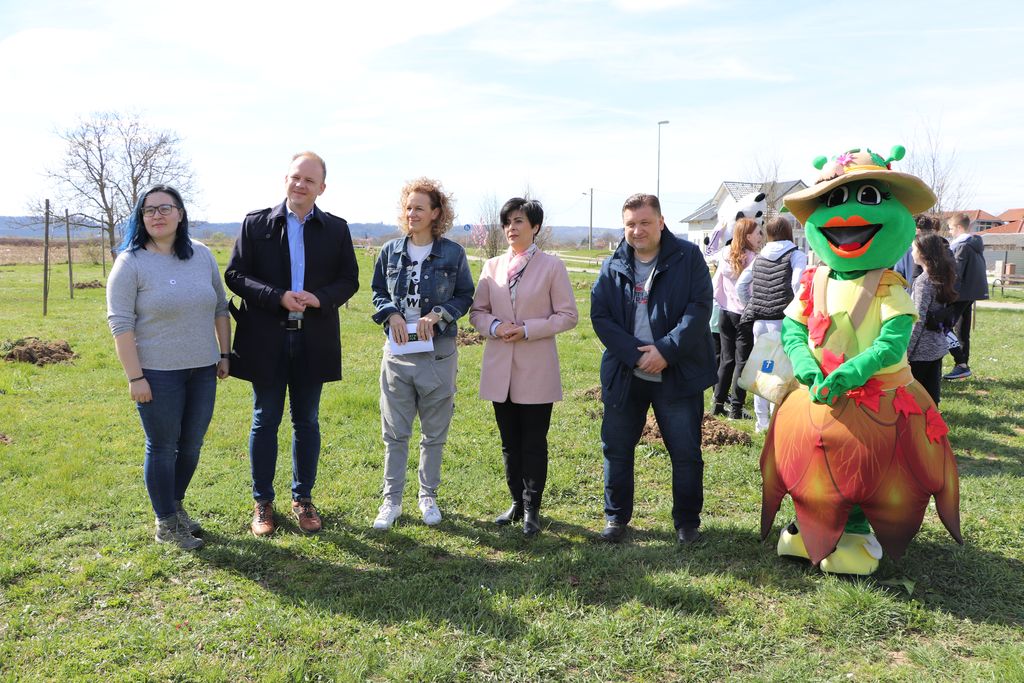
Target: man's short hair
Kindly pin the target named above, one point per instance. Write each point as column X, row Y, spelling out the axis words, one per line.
column 640, row 199
column 960, row 220
column 315, row 157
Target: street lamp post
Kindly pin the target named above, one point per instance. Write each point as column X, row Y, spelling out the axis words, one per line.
column 660, row 124
column 590, row 235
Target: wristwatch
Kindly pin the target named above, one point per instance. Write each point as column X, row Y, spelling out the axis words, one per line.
column 439, row 312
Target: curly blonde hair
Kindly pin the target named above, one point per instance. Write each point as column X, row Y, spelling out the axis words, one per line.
column 439, row 199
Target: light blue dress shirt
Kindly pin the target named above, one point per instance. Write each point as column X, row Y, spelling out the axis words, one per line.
column 297, row 249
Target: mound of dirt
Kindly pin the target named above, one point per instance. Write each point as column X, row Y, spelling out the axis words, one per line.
column 581, row 284
column 91, row 284
column 469, row 338
column 36, row 351
column 4, row 439
column 714, row 432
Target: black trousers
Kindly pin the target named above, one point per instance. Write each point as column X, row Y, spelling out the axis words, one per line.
column 962, row 329
column 524, row 448
column 929, row 374
column 737, row 341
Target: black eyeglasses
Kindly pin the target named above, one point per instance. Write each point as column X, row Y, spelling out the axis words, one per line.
column 164, row 209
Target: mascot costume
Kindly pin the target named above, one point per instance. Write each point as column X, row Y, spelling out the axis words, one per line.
column 859, row 445
column 754, row 205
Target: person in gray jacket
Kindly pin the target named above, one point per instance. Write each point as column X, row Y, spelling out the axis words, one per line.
column 968, row 251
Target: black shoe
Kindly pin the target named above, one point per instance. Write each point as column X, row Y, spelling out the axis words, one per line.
column 738, row 413
column 688, row 535
column 513, row 514
column 613, row 532
column 531, row 522
column 719, row 409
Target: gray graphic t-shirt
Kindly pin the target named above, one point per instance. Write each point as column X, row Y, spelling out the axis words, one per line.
column 642, row 321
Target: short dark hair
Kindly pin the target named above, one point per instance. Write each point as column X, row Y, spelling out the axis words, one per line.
column 531, row 208
column 778, row 229
column 640, row 199
column 136, row 236
column 925, row 223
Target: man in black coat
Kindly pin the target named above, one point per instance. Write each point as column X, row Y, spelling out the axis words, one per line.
column 972, row 282
column 293, row 265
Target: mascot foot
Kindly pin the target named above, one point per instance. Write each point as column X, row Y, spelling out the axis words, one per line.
column 791, row 544
column 854, row 554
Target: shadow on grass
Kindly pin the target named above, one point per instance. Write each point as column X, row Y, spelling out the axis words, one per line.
column 395, row 577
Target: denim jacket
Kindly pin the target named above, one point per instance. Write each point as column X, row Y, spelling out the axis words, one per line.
column 445, row 281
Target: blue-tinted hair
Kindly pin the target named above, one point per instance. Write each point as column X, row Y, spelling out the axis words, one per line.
column 531, row 208
column 135, row 235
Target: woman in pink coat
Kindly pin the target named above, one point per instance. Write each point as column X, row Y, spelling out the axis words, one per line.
column 522, row 301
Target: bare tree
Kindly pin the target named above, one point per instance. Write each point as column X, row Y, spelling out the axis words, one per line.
column 927, row 159
column 491, row 238
column 109, row 160
column 765, row 170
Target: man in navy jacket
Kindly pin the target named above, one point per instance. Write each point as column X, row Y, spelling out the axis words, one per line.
column 293, row 266
column 650, row 306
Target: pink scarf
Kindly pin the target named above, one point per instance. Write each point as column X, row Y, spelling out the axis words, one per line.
column 516, row 265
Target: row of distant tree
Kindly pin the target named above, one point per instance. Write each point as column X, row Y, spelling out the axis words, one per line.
column 110, row 158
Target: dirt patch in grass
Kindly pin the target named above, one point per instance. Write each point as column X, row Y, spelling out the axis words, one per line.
column 91, row 284
column 4, row 439
column 713, row 432
column 36, row 351
column 469, row 338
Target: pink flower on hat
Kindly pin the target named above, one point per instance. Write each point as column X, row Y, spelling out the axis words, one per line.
column 844, row 159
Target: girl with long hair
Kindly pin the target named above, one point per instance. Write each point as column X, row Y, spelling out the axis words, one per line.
column 737, row 337
column 932, row 291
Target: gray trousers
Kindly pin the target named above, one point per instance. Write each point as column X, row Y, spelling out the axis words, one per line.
column 411, row 384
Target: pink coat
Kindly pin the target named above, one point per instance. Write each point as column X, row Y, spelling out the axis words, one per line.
column 525, row 371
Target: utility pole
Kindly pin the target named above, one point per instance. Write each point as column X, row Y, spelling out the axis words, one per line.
column 658, row 191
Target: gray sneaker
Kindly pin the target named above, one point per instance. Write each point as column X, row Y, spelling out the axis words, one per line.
column 186, row 521
column 171, row 530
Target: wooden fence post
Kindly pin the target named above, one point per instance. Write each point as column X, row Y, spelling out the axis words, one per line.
column 67, row 231
column 46, row 255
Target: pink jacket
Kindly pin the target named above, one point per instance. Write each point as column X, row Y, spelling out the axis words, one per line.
column 525, row 371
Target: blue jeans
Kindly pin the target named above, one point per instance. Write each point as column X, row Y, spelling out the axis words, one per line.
column 679, row 419
column 175, row 423
column 268, row 408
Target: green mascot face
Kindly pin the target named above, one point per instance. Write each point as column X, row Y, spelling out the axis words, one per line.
column 860, row 226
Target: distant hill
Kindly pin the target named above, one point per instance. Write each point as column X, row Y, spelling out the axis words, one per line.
column 22, row 226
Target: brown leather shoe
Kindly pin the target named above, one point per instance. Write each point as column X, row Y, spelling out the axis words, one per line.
column 263, row 518
column 305, row 512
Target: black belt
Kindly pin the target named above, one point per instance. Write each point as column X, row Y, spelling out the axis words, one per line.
column 292, row 324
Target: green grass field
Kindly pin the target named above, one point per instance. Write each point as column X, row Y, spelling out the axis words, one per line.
column 85, row 593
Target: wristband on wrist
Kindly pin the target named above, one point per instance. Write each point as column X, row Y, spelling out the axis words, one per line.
column 225, row 355
column 136, row 379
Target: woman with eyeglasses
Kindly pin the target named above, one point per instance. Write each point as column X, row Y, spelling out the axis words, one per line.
column 167, row 311
column 523, row 300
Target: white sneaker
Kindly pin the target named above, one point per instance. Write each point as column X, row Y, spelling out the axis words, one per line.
column 386, row 515
column 431, row 513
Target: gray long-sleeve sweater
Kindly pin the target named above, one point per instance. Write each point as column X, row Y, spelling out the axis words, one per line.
column 170, row 304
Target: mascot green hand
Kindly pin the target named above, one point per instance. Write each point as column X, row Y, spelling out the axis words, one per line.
column 861, row 447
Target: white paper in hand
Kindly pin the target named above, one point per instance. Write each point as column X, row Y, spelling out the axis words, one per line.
column 414, row 345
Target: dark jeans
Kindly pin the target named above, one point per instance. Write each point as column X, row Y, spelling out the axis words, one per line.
column 268, row 408
column 679, row 419
column 929, row 374
column 737, row 341
column 524, row 448
column 962, row 329
column 175, row 423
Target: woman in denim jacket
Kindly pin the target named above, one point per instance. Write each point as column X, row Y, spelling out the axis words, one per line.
column 421, row 286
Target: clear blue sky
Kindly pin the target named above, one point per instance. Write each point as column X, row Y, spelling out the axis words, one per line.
column 494, row 97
